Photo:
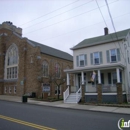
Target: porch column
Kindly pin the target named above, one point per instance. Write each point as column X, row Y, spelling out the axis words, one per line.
column 82, row 73
column 68, row 79
column 99, row 77
column 118, row 75
column 83, row 88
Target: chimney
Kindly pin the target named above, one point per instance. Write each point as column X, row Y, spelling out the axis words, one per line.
column 106, row 31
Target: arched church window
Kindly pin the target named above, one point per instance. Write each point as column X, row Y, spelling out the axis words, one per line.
column 45, row 68
column 57, row 70
column 11, row 62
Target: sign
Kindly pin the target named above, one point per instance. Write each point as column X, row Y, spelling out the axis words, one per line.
column 46, row 87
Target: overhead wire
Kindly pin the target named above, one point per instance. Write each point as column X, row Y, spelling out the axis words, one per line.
column 59, row 14
column 114, row 27
column 81, row 28
column 65, row 19
column 49, row 13
column 107, row 26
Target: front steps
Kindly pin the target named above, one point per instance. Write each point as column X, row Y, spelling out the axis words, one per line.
column 72, row 98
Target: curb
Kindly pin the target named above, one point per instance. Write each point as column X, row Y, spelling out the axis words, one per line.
column 68, row 107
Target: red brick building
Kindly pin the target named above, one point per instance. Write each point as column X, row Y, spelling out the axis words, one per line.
column 23, row 63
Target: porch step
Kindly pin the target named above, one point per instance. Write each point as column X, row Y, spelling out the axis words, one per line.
column 72, row 98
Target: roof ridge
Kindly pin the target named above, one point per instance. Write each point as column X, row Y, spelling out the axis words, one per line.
column 49, row 46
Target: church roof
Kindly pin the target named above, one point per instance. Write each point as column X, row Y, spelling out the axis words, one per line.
column 52, row 51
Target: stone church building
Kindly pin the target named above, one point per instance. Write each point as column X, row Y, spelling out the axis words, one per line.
column 23, row 63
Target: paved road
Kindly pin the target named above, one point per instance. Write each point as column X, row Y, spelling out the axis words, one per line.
column 18, row 116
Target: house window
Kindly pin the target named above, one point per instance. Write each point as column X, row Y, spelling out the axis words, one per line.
column 57, row 70
column 82, row 60
column 11, row 64
column 113, row 55
column 114, row 77
column 14, row 89
column 96, row 58
column 45, row 69
column 5, row 89
column 10, row 90
column 56, row 90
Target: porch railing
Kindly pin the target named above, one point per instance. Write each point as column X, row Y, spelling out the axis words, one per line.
column 66, row 93
column 109, row 88
column 78, row 94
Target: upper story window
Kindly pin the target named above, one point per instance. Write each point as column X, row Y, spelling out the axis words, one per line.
column 96, row 58
column 57, row 70
column 11, row 63
column 113, row 55
column 45, row 69
column 81, row 60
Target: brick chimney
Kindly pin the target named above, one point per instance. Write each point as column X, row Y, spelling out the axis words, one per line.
column 106, row 31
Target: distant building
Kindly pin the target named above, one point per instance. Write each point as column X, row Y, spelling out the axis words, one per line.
column 23, row 63
column 101, row 69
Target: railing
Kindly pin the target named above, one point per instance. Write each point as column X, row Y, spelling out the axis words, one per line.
column 66, row 94
column 109, row 88
column 78, row 94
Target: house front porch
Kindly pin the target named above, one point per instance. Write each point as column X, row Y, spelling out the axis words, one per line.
column 109, row 84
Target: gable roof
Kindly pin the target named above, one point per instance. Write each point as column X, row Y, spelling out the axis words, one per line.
column 52, row 51
column 102, row 39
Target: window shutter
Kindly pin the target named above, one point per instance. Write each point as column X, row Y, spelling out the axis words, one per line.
column 109, row 78
column 101, row 60
column 91, row 58
column 77, row 60
column 85, row 57
column 108, row 56
column 118, row 55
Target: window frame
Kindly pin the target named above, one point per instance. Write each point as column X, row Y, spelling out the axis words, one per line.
column 111, row 55
column 10, row 90
column 11, row 63
column 95, row 58
column 15, row 90
column 57, row 70
column 56, row 90
column 45, row 66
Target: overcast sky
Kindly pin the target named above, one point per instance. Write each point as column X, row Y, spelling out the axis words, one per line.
column 64, row 23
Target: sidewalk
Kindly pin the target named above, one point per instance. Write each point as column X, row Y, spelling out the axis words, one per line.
column 60, row 104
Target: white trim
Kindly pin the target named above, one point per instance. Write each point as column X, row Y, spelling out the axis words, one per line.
column 83, row 60
column 110, row 55
column 91, row 94
column 109, row 93
column 103, row 93
column 94, row 58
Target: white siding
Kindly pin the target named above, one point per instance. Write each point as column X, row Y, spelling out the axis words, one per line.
column 98, row 48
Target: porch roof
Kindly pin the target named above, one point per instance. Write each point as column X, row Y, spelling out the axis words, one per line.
column 96, row 67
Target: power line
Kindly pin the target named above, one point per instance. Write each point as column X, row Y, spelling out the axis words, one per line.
column 107, row 26
column 80, row 28
column 59, row 14
column 66, row 19
column 49, row 12
column 114, row 27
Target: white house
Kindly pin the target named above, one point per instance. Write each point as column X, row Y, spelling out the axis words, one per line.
column 106, row 59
